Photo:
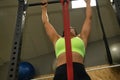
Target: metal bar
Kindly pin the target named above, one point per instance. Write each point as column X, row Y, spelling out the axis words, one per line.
column 36, row 4
column 17, row 42
column 49, row 2
column 117, row 6
column 103, row 68
column 104, row 35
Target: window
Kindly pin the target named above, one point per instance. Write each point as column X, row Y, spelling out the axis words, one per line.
column 81, row 3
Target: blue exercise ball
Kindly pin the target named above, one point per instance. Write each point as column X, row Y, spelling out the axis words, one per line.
column 26, row 71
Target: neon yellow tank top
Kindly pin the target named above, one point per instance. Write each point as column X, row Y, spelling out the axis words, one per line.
column 77, row 45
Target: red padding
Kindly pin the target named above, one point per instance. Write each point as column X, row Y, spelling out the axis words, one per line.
column 67, row 39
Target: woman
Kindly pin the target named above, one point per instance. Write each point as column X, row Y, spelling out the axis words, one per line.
column 78, row 45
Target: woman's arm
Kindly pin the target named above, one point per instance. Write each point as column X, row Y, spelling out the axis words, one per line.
column 85, row 32
column 48, row 27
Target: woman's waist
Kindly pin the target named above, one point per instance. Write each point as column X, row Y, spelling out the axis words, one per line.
column 80, row 65
column 75, row 58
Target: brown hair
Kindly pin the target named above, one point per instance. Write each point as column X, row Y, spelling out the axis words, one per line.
column 70, row 28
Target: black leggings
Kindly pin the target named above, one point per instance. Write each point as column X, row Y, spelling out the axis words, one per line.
column 79, row 72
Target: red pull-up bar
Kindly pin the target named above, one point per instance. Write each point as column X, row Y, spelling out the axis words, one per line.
column 65, row 5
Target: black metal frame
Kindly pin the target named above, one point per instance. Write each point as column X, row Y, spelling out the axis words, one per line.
column 117, row 6
column 104, row 35
column 17, row 42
